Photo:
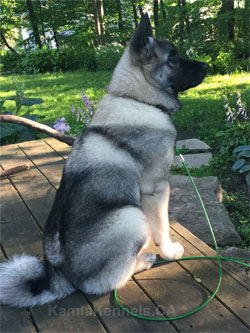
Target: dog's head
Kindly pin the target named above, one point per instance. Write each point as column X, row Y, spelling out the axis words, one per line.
column 161, row 63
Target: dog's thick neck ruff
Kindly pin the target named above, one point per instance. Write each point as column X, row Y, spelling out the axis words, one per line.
column 162, row 108
column 127, row 76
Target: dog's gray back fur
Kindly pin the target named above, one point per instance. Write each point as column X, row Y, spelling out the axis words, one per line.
column 97, row 225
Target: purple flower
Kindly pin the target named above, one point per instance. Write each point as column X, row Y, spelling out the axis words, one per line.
column 61, row 126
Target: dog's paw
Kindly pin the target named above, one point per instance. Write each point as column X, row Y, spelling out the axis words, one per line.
column 172, row 251
column 145, row 261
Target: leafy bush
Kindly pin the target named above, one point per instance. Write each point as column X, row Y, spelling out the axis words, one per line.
column 226, row 63
column 11, row 133
column 70, row 59
column 10, row 62
column 108, row 56
column 242, row 163
column 47, row 60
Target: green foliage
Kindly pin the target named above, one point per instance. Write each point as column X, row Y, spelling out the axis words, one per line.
column 237, row 207
column 10, row 62
column 184, row 150
column 200, row 29
column 226, row 63
column 49, row 60
column 10, row 133
column 20, row 100
column 108, row 56
column 242, row 163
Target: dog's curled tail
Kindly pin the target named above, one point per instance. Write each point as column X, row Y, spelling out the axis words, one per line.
column 27, row 281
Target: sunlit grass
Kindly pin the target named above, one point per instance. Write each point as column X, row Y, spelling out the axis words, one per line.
column 58, row 90
column 202, row 106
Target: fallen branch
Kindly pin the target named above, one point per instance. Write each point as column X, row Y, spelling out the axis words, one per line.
column 14, row 170
column 37, row 127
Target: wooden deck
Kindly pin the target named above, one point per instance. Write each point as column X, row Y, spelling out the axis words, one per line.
column 169, row 290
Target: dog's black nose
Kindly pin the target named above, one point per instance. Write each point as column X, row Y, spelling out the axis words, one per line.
column 205, row 66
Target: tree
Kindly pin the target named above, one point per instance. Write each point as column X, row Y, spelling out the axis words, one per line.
column 227, row 10
column 34, row 23
column 119, row 8
column 98, row 12
column 6, row 42
column 163, row 10
column 135, row 12
column 156, row 19
column 10, row 20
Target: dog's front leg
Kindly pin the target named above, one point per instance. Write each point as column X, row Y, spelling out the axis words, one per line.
column 155, row 207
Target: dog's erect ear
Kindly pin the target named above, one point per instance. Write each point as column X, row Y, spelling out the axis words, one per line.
column 142, row 42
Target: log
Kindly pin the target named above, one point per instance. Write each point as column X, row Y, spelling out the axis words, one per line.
column 68, row 139
column 14, row 170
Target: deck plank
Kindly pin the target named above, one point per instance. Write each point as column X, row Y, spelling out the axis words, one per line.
column 231, row 293
column 32, row 186
column 45, row 159
column 19, row 232
column 134, row 298
column 237, row 274
column 26, row 201
column 72, row 314
column 176, row 292
column 61, row 148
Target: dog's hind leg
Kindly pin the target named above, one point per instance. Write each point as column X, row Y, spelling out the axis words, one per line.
column 119, row 253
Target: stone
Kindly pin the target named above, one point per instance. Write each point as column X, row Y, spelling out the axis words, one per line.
column 237, row 252
column 193, row 145
column 185, row 208
column 194, row 160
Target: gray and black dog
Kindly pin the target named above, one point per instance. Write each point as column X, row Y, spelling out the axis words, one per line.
column 114, row 190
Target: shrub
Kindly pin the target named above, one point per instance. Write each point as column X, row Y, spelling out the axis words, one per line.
column 10, row 62
column 108, row 56
column 39, row 61
column 47, row 60
column 227, row 62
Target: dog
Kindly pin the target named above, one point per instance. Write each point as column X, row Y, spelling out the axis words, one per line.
column 114, row 191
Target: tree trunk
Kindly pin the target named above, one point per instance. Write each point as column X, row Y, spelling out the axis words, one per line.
column 96, row 17
column 181, row 23
column 6, row 43
column 227, row 7
column 119, row 9
column 101, row 15
column 56, row 40
column 135, row 13
column 156, row 21
column 41, row 16
column 34, row 23
column 163, row 10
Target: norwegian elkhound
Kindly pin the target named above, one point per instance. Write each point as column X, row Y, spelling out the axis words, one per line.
column 114, row 190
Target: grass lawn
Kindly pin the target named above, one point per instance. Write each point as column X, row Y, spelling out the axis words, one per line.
column 202, row 115
column 202, row 106
column 58, row 90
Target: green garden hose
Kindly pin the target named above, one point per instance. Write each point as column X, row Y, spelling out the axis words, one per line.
column 232, row 259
